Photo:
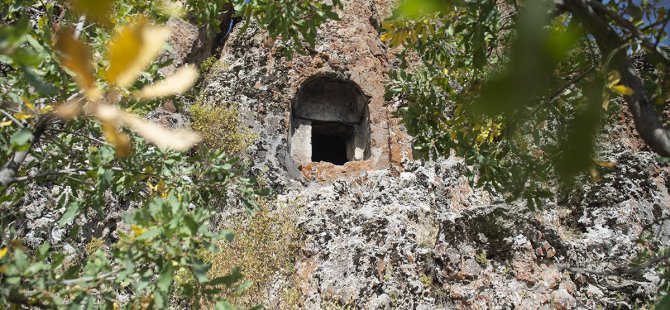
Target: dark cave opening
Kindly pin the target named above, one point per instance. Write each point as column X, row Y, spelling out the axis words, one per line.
column 330, row 149
column 330, row 142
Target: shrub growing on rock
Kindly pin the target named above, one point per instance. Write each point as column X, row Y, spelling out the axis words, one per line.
column 221, row 128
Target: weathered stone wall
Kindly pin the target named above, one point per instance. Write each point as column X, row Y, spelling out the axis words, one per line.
column 327, row 106
column 392, row 233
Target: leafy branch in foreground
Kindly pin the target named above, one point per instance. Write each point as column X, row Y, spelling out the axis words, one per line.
column 91, row 159
column 514, row 89
column 521, row 90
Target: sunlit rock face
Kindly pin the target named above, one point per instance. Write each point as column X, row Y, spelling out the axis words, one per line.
column 345, row 72
column 382, row 231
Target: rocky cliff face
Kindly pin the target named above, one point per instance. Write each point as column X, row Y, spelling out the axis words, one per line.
column 255, row 76
column 426, row 240
column 394, row 233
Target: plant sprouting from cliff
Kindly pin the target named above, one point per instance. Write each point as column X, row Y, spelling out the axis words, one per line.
column 221, row 128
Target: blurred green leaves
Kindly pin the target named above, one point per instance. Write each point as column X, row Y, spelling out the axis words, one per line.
column 533, row 57
column 508, row 90
column 12, row 49
column 414, row 9
column 22, row 51
column 11, row 36
column 20, row 140
column 577, row 141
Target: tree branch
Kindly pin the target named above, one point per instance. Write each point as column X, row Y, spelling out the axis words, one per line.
column 74, row 171
column 16, row 121
column 647, row 122
column 628, row 25
column 101, row 277
column 570, row 83
column 80, row 26
column 8, row 172
column 79, row 135
column 49, row 173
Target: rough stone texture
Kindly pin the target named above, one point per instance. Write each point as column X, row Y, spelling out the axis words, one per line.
column 190, row 43
column 183, row 38
column 254, row 74
column 393, row 233
column 426, row 240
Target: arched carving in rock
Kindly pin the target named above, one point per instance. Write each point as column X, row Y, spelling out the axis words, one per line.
column 329, row 122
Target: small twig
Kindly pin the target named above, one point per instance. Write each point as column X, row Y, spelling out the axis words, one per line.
column 49, row 173
column 658, row 34
column 105, row 276
column 654, row 24
column 8, row 171
column 569, row 83
column 80, row 135
column 12, row 117
column 80, row 26
column 509, row 16
column 71, row 178
column 72, row 171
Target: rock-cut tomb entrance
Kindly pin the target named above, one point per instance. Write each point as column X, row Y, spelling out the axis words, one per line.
column 329, row 122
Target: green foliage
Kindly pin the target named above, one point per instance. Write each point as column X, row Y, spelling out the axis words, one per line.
column 426, row 280
column 221, row 128
column 163, row 237
column 482, row 259
column 295, row 21
column 207, row 64
column 94, row 245
column 521, row 89
column 90, row 163
column 209, row 12
column 514, row 92
column 443, row 96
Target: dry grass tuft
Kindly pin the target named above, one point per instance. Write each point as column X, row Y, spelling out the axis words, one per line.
column 265, row 248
